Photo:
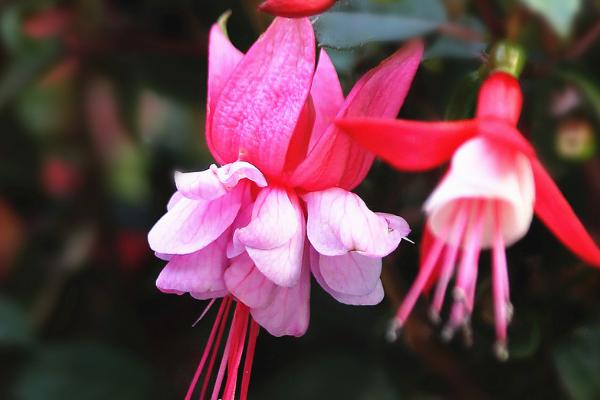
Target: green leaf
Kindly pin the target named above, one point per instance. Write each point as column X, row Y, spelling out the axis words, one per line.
column 346, row 29
column 26, row 68
column 559, row 13
column 578, row 363
column 15, row 329
column 83, row 371
column 462, row 100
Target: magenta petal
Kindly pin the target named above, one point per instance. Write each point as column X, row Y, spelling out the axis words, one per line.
column 259, row 107
column 372, row 298
column 222, row 60
column 275, row 237
column 336, row 160
column 247, row 284
column 235, row 247
column 200, row 273
column 215, row 182
column 340, row 222
column 327, row 96
column 193, row 224
column 351, row 273
column 289, row 311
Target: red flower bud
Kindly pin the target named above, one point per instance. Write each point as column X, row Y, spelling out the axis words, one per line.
column 295, row 8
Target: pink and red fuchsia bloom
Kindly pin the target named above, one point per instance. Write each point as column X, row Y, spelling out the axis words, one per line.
column 239, row 231
column 486, row 200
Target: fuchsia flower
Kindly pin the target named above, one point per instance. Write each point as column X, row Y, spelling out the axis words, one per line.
column 239, row 231
column 486, row 200
column 295, row 8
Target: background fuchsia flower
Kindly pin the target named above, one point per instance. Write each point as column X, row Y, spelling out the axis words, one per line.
column 486, row 200
column 240, row 231
column 295, row 8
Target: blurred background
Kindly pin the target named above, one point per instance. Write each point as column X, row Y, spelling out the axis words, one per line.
column 101, row 100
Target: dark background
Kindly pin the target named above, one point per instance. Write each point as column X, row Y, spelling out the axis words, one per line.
column 100, row 101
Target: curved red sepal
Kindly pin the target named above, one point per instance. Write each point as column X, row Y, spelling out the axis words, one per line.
column 556, row 213
column 410, row 145
column 505, row 134
column 295, row 8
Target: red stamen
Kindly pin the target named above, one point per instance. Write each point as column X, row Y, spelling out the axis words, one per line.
column 500, row 286
column 213, row 356
column 235, row 356
column 459, row 223
column 207, row 348
column 254, row 329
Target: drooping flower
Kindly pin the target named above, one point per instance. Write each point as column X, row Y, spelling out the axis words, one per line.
column 239, row 231
column 486, row 200
column 295, row 8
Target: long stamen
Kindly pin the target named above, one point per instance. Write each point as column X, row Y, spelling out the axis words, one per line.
column 223, row 309
column 417, row 287
column 500, row 286
column 464, row 291
column 236, row 353
column 206, row 310
column 226, row 352
column 215, row 351
column 459, row 224
column 254, row 329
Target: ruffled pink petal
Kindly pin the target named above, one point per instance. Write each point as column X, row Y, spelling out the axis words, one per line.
column 191, row 225
column 554, row 210
column 223, row 57
column 334, row 159
column 200, row 273
column 372, row 298
column 340, row 222
column 289, row 311
column 247, row 284
column 275, row 237
column 174, row 200
column 350, row 273
column 235, row 247
column 260, row 104
column 215, row 182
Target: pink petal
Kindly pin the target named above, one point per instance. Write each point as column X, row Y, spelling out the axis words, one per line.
column 340, row 222
column 350, row 273
column 326, row 98
column 410, row 145
column 200, row 273
column 334, row 159
column 174, row 200
column 247, row 284
column 235, row 247
column 289, row 311
column 223, row 57
column 191, row 225
column 554, row 210
column 215, row 182
column 275, row 237
column 372, row 298
column 259, row 106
